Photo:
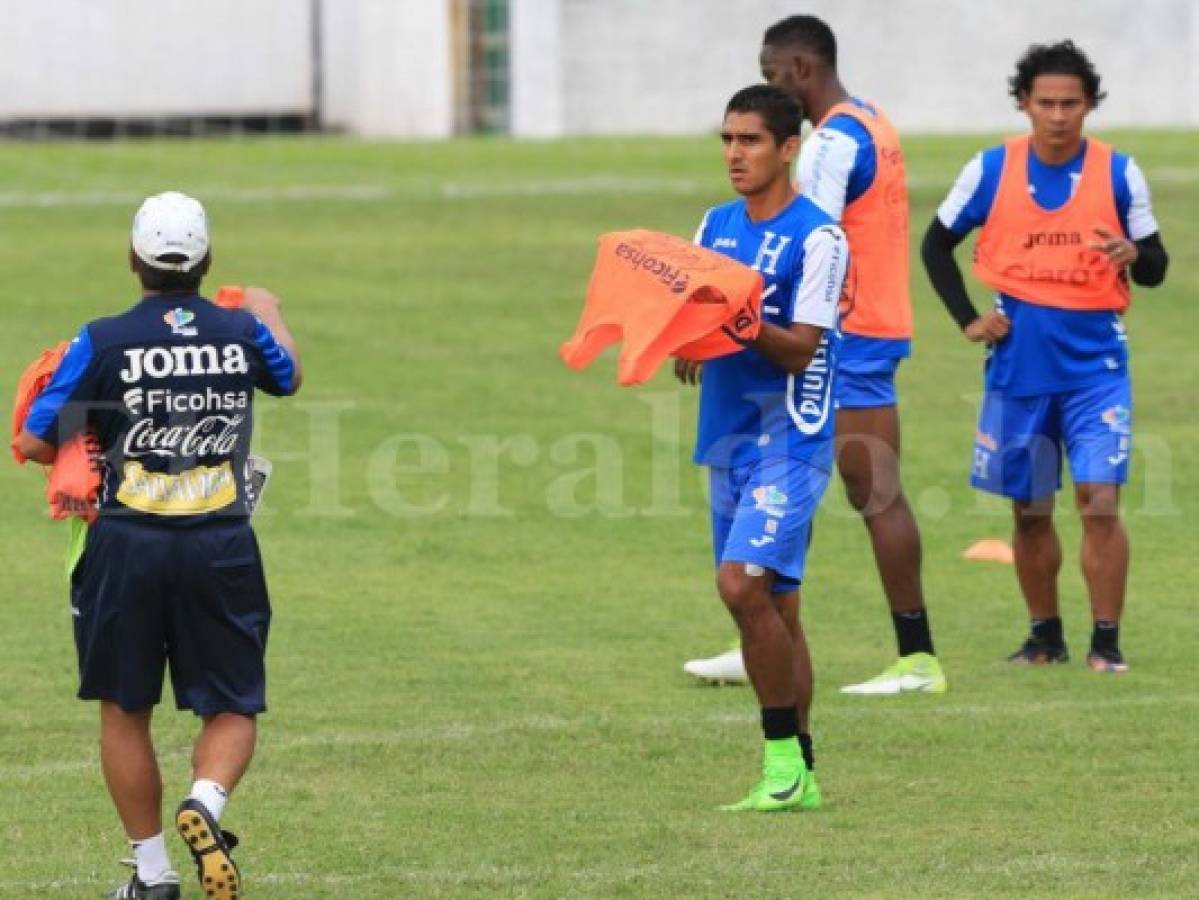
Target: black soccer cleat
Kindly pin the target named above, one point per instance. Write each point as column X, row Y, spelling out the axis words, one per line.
column 1039, row 652
column 1107, row 659
column 212, row 849
column 166, row 888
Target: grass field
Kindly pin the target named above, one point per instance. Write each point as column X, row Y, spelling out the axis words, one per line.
column 487, row 570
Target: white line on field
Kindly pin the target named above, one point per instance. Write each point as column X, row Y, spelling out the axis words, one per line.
column 286, row 193
column 843, row 710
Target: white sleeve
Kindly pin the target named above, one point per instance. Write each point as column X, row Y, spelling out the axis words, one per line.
column 703, row 226
column 1141, row 222
column 961, row 193
column 825, row 262
column 825, row 162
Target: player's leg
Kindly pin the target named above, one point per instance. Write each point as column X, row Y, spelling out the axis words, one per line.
column 217, row 653
column 1097, row 421
column 768, row 540
column 1017, row 454
column 868, row 451
column 787, row 602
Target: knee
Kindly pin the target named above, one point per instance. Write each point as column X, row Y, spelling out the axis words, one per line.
column 1098, row 504
column 743, row 594
column 1033, row 522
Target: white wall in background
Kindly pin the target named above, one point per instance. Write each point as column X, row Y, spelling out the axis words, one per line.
column 667, row 66
column 147, row 58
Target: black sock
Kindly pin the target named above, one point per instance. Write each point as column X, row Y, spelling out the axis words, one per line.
column 911, row 632
column 779, row 722
column 1106, row 636
column 805, row 746
column 1048, row 630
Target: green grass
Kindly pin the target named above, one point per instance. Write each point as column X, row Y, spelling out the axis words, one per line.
column 475, row 660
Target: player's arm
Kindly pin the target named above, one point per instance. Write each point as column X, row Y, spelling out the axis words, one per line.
column 285, row 368
column 1140, row 248
column 965, row 208
column 815, row 308
column 30, row 446
column 826, row 163
column 60, row 410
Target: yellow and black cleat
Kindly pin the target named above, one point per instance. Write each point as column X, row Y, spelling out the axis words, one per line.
column 212, row 851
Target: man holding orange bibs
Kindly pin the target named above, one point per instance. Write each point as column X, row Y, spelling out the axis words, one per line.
column 766, row 425
column 852, row 167
column 1066, row 221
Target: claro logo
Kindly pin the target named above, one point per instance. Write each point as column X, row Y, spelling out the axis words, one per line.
column 202, row 359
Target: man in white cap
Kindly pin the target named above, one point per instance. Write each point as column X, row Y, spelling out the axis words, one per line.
column 171, row 572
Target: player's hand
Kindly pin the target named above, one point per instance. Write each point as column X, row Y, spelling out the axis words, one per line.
column 989, row 328
column 1120, row 250
column 260, row 301
column 688, row 371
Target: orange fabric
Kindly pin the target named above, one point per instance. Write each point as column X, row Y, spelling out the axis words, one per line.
column 1042, row 256
column 664, row 296
column 876, row 225
column 230, row 296
column 73, row 484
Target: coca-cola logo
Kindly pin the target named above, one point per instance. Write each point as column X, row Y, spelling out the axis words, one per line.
column 209, row 436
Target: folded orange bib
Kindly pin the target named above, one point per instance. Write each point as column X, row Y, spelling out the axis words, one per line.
column 665, row 297
column 73, row 484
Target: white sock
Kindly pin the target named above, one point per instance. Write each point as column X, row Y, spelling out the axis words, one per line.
column 152, row 860
column 211, row 794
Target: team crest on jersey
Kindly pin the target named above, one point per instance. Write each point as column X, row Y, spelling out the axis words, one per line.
column 1117, row 418
column 180, row 320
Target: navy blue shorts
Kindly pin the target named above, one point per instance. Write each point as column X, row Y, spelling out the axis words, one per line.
column 143, row 596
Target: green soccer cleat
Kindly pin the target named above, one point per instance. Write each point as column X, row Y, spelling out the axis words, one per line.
column 784, row 784
column 918, row 673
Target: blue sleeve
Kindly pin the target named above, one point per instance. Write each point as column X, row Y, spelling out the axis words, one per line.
column 1120, row 188
column 71, row 384
column 277, row 374
column 865, row 163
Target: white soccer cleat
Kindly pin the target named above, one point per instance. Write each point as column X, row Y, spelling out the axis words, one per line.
column 915, row 673
column 727, row 668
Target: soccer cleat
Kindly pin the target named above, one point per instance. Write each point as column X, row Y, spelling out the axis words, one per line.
column 784, row 786
column 1111, row 661
column 165, row 888
column 914, row 673
column 1039, row 652
column 727, row 668
column 210, row 847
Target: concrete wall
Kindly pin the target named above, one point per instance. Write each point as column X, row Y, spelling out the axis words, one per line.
column 387, row 67
column 667, row 66
column 147, row 58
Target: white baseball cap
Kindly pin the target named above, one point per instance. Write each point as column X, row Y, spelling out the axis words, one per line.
column 171, row 224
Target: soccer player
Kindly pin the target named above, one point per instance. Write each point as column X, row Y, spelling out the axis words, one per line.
column 766, row 426
column 171, row 572
column 852, row 168
column 1065, row 221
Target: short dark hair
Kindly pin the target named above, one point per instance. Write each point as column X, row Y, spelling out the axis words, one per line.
column 780, row 111
column 808, row 32
column 1062, row 58
column 168, row 280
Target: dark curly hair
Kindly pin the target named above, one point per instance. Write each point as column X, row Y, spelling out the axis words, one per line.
column 1062, row 58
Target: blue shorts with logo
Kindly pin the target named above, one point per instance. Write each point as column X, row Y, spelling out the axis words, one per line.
column 762, row 514
column 866, row 384
column 1019, row 443
column 144, row 597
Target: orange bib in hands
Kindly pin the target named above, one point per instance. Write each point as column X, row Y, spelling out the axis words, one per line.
column 74, row 480
column 664, row 296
